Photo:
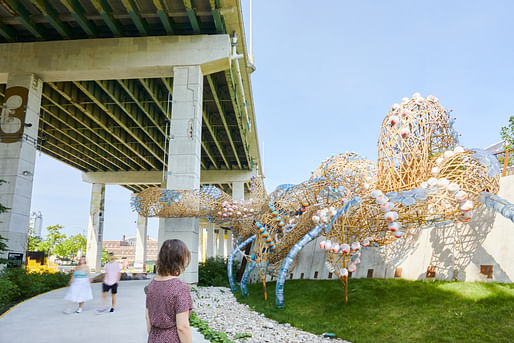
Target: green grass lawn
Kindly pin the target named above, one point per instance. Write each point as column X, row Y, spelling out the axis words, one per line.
column 388, row 310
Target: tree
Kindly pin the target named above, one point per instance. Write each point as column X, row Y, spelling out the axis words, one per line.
column 3, row 249
column 69, row 247
column 105, row 256
column 2, row 207
column 52, row 239
column 3, row 240
column 33, row 242
column 507, row 133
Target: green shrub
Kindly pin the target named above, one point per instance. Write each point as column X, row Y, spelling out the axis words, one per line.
column 213, row 272
column 25, row 285
column 8, row 292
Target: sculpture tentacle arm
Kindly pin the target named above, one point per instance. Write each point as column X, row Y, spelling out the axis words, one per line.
column 249, row 268
column 279, row 296
column 500, row 205
column 231, row 259
column 279, row 292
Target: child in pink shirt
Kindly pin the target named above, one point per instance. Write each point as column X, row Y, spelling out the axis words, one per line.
column 111, row 279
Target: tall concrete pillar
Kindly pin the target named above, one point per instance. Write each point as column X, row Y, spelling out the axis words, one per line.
column 19, row 122
column 141, row 235
column 200, row 244
column 221, row 242
column 238, row 191
column 211, row 240
column 230, row 248
column 184, row 157
column 95, row 228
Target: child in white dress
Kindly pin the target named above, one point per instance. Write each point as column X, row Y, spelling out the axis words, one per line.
column 80, row 286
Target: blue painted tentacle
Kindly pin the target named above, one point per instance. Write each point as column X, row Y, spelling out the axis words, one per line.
column 249, row 268
column 500, row 205
column 231, row 259
column 279, row 291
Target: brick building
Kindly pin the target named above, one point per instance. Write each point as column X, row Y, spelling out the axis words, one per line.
column 126, row 249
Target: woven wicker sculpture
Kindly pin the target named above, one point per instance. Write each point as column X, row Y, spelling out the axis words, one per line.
column 421, row 177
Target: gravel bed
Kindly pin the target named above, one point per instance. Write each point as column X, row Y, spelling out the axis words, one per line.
column 219, row 307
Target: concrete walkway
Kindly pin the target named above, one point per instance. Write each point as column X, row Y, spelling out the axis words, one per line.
column 41, row 319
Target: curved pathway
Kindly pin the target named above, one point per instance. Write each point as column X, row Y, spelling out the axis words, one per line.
column 41, row 319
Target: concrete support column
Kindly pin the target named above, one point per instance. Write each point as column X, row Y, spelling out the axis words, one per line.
column 238, row 191
column 184, row 157
column 19, row 122
column 141, row 235
column 211, row 240
column 200, row 237
column 221, row 242
column 95, row 227
column 230, row 248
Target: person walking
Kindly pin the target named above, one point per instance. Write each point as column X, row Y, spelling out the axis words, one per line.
column 168, row 299
column 111, row 279
column 79, row 290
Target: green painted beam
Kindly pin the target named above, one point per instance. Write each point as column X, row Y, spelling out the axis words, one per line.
column 53, row 17
column 79, row 14
column 135, row 93
column 216, row 15
column 105, row 129
column 193, row 20
column 105, row 10
column 221, row 112
column 135, row 15
column 62, row 157
column 162, row 11
column 167, row 83
column 82, row 126
column 131, row 188
column 24, row 19
column 214, row 137
column 238, row 113
column 7, row 32
column 131, row 110
column 209, row 154
column 53, row 128
column 94, row 93
column 71, row 151
column 152, row 90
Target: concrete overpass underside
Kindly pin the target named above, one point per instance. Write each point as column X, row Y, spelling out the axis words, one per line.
column 122, row 125
column 130, row 92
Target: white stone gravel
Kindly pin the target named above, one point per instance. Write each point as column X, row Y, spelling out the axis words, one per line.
column 219, row 307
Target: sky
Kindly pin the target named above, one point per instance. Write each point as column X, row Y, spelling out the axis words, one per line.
column 326, row 76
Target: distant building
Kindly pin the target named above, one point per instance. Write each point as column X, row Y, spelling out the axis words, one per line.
column 126, row 249
column 36, row 222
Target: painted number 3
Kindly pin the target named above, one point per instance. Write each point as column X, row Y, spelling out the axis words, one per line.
column 13, row 114
column 10, row 123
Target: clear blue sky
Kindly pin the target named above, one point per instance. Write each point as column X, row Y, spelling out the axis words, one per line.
column 326, row 76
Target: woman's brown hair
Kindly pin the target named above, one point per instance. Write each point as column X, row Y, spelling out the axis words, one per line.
column 173, row 258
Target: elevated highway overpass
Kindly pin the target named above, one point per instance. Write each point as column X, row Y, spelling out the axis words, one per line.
column 130, row 92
